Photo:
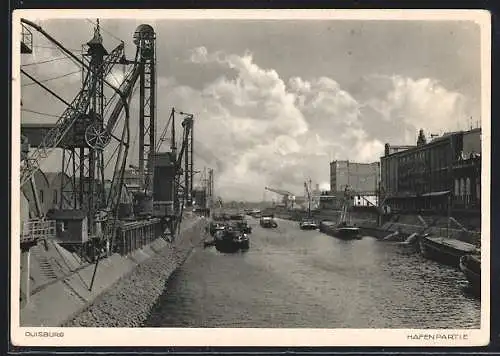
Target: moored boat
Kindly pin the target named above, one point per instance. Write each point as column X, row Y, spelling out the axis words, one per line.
column 308, row 224
column 445, row 250
column 338, row 230
column 241, row 222
column 231, row 240
column 346, row 231
column 326, row 226
column 344, row 228
column 470, row 265
column 268, row 221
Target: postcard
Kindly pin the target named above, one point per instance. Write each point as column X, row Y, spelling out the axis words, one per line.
column 250, row 178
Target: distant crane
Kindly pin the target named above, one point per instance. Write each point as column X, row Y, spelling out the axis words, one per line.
column 220, row 202
column 288, row 197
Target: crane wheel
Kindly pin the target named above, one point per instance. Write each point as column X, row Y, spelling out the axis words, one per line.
column 97, row 137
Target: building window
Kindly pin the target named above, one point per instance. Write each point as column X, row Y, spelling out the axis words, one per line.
column 478, row 188
column 41, row 196
column 467, row 191
column 457, row 188
column 462, row 188
column 55, row 197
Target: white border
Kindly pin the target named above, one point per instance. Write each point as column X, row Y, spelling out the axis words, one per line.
column 256, row 337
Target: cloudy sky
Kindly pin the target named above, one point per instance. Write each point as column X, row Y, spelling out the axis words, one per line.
column 276, row 101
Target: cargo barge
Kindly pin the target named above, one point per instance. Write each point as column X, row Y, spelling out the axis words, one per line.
column 470, row 265
column 445, row 250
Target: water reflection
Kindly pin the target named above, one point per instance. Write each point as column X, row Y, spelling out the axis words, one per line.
column 293, row 278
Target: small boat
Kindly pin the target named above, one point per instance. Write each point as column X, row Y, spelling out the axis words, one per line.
column 214, row 226
column 241, row 222
column 308, row 224
column 445, row 250
column 344, row 228
column 268, row 221
column 346, row 231
column 470, row 265
column 326, row 226
column 231, row 240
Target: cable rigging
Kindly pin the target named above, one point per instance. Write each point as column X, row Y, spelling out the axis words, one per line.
column 49, row 90
column 50, row 79
column 40, row 113
column 104, row 29
column 45, row 61
column 52, row 47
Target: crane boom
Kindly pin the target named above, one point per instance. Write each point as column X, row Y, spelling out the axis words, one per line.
column 55, row 135
column 279, row 191
column 78, row 106
column 126, row 88
column 187, row 128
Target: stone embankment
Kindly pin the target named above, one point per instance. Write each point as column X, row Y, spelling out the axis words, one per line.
column 129, row 301
column 404, row 224
column 119, row 292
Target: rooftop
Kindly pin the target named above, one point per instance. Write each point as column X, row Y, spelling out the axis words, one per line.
column 351, row 162
column 433, row 140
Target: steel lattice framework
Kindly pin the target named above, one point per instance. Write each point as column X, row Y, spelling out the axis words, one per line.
column 85, row 130
column 83, row 133
column 145, row 40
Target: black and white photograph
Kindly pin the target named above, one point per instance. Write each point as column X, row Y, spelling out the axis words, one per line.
column 251, row 177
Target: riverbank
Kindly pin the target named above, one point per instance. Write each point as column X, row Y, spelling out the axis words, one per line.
column 292, row 278
column 404, row 224
column 122, row 283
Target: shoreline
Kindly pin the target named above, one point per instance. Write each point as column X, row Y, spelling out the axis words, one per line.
column 132, row 282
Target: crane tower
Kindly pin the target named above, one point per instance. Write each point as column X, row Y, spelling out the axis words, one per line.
column 145, row 40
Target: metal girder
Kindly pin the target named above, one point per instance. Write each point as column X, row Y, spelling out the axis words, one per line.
column 145, row 39
column 54, row 137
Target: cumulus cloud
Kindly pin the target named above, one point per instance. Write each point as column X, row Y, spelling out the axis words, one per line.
column 259, row 129
column 265, row 131
column 395, row 106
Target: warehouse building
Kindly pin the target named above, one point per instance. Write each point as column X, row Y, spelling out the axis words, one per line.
column 432, row 175
column 362, row 179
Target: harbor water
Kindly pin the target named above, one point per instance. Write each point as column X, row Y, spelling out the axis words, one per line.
column 305, row 279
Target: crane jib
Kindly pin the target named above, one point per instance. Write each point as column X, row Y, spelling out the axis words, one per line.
column 78, row 106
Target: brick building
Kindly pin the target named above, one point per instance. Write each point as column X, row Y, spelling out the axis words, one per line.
column 362, row 178
column 467, row 173
column 426, row 176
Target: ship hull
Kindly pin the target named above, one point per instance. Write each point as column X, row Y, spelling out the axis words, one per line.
column 445, row 251
column 346, row 233
column 231, row 244
column 308, row 227
column 471, row 268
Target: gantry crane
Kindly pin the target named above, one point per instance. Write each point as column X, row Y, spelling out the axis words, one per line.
column 183, row 164
column 83, row 131
column 80, row 128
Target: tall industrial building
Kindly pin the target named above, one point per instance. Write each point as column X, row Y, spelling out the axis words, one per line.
column 425, row 176
column 360, row 177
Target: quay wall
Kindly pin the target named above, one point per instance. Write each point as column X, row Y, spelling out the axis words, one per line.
column 407, row 225
column 124, row 289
